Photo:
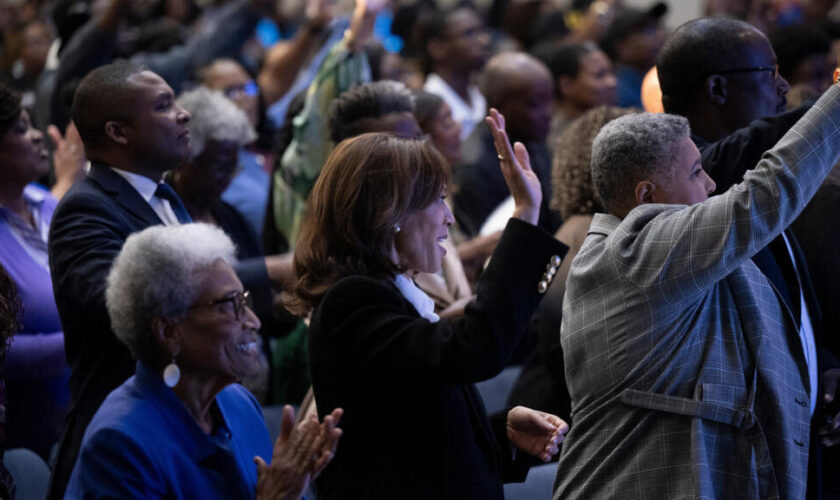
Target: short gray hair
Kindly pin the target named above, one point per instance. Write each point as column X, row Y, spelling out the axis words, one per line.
column 214, row 118
column 157, row 274
column 633, row 148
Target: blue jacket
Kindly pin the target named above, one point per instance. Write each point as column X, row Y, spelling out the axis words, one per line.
column 143, row 443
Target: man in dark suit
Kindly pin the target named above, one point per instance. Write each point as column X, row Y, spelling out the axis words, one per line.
column 722, row 75
column 133, row 131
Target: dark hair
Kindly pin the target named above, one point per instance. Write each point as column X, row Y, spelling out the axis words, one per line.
column 697, row 49
column 11, row 310
column 350, row 111
column 103, row 95
column 367, row 186
column 426, row 106
column 564, row 60
column 795, row 42
column 431, row 24
column 10, row 109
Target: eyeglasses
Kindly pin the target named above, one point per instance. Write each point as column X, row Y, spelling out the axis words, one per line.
column 773, row 69
column 248, row 88
column 240, row 301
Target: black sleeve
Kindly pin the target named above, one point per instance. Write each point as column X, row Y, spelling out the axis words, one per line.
column 367, row 321
column 728, row 159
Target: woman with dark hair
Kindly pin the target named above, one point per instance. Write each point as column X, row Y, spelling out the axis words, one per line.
column 36, row 368
column 583, row 79
column 376, row 218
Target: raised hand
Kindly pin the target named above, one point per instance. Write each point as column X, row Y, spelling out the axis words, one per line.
column 361, row 22
column 68, row 158
column 535, row 432
column 516, row 168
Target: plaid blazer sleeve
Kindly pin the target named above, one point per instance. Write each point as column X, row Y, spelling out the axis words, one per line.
column 689, row 249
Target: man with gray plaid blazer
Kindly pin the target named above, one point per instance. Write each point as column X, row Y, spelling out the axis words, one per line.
column 688, row 376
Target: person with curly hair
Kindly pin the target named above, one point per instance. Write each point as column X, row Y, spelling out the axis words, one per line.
column 542, row 382
column 10, row 310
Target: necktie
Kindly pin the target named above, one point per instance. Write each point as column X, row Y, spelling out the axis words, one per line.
column 165, row 192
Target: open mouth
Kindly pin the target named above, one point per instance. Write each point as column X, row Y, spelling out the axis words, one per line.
column 247, row 347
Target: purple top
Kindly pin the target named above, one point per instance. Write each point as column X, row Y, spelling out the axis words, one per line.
column 36, row 369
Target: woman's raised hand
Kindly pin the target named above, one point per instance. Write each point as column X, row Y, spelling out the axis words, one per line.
column 300, row 454
column 516, row 168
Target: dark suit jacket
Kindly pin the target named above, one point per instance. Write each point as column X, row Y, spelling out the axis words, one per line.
column 414, row 425
column 480, row 186
column 88, row 230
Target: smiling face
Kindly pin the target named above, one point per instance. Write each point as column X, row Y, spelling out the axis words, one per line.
column 24, row 157
column 157, row 131
column 688, row 183
column 417, row 244
column 214, row 344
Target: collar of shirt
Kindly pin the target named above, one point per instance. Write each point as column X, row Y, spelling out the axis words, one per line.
column 468, row 114
column 146, row 188
column 417, row 297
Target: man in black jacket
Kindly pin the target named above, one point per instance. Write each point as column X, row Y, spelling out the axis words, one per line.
column 722, row 75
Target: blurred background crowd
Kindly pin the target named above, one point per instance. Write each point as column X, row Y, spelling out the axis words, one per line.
column 273, row 85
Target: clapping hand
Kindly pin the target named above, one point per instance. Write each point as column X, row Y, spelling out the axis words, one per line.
column 516, row 168
column 300, row 454
column 536, row 432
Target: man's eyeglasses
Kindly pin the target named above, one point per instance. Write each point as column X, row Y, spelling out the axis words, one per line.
column 240, row 301
column 773, row 69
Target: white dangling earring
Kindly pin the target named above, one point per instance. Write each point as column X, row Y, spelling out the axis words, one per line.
column 397, row 228
column 171, row 374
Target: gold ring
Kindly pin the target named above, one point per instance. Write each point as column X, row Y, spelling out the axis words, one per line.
column 501, row 158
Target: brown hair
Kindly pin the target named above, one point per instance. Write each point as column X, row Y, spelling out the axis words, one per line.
column 571, row 175
column 368, row 185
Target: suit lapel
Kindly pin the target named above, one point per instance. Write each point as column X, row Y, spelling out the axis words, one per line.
column 123, row 193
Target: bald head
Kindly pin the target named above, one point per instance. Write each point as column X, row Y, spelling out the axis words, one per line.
column 521, row 88
column 721, row 75
column 700, row 48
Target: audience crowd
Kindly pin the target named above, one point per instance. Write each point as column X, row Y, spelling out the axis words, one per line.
column 217, row 215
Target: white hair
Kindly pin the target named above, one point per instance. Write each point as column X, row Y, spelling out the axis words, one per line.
column 633, row 148
column 158, row 274
column 216, row 118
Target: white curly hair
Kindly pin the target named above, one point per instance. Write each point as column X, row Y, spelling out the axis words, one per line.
column 216, row 118
column 158, row 273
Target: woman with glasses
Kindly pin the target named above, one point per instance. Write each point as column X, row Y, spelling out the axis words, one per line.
column 182, row 427
column 416, row 426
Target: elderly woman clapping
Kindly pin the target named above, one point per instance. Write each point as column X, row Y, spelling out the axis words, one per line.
column 181, row 427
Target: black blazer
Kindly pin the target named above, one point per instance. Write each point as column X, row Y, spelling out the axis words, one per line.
column 414, row 425
column 88, row 229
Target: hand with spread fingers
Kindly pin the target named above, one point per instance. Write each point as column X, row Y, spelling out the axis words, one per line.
column 300, row 454
column 516, row 168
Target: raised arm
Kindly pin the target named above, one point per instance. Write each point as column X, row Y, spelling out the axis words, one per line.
column 685, row 250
